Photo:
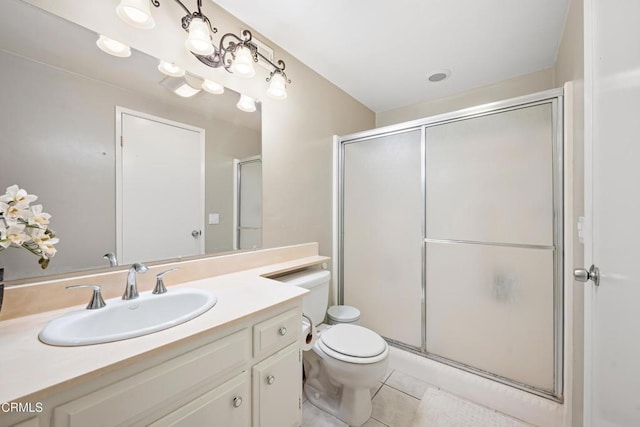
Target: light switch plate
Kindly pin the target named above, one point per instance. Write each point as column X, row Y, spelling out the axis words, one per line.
column 214, row 218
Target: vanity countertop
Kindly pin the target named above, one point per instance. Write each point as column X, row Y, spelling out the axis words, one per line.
column 31, row 369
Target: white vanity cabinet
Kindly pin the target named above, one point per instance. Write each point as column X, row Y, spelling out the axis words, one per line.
column 248, row 374
column 274, row 380
column 140, row 398
column 225, row 405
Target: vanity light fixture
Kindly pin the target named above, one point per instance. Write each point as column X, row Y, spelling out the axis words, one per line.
column 243, row 63
column 246, row 103
column 170, row 69
column 212, row 87
column 199, row 38
column 136, row 13
column 236, row 54
column 277, row 86
column 113, row 47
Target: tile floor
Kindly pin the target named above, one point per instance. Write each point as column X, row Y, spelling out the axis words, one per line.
column 394, row 404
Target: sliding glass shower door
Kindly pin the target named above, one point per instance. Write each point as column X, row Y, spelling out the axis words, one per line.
column 490, row 244
column 451, row 238
column 383, row 224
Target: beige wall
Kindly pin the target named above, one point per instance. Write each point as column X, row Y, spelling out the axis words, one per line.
column 234, row 143
column 511, row 88
column 569, row 67
column 296, row 133
column 570, row 57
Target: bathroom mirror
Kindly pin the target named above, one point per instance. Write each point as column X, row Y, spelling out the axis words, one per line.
column 60, row 97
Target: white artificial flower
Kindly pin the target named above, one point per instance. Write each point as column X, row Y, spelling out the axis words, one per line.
column 14, row 235
column 25, row 226
column 37, row 217
column 3, row 207
column 13, row 213
column 45, row 242
column 17, row 196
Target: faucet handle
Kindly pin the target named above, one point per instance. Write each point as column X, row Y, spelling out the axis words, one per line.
column 96, row 298
column 160, row 288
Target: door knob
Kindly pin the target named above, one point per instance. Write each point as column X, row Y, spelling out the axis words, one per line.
column 196, row 233
column 584, row 275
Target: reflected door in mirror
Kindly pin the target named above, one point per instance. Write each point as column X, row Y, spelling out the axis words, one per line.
column 162, row 189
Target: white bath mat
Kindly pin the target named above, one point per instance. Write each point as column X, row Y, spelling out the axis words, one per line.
column 441, row 409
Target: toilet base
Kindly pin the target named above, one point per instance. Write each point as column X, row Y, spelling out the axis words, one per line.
column 352, row 406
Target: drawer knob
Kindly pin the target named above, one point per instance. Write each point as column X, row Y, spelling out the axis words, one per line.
column 282, row 331
column 271, row 379
column 237, row 401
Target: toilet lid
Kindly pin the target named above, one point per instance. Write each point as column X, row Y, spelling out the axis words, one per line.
column 353, row 340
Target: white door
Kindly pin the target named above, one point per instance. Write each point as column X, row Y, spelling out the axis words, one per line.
column 612, row 209
column 160, row 190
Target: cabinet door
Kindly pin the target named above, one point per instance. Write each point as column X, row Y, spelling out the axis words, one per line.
column 224, row 406
column 144, row 394
column 277, row 388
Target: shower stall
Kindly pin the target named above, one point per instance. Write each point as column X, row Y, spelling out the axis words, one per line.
column 450, row 238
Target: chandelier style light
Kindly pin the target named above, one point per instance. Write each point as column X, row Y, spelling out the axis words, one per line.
column 236, row 54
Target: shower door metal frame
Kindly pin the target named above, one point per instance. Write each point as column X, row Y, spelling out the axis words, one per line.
column 553, row 97
column 237, row 196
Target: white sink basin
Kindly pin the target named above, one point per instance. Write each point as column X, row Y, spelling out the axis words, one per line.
column 121, row 319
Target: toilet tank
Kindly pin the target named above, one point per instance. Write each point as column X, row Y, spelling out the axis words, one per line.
column 314, row 304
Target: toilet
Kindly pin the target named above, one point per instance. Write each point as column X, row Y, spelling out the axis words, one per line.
column 346, row 361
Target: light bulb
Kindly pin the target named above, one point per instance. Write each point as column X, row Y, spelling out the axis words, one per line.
column 199, row 39
column 136, row 13
column 277, row 87
column 243, row 63
column 212, row 87
column 113, row 47
column 169, row 69
column 246, row 103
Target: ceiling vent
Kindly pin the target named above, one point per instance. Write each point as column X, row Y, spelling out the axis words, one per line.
column 439, row 75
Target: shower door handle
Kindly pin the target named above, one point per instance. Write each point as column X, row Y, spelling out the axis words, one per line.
column 584, row 275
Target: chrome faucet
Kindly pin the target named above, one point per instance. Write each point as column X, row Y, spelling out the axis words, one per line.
column 131, row 291
column 111, row 257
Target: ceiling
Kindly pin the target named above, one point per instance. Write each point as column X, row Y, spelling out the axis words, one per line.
column 381, row 52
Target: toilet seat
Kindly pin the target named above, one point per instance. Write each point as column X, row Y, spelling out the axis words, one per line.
column 353, row 344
